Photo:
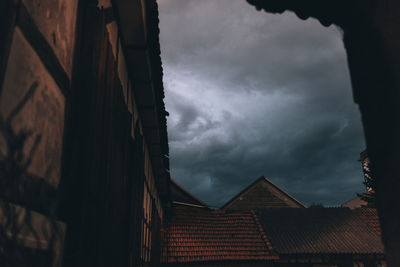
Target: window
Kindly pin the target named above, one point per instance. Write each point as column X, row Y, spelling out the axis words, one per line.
column 146, row 225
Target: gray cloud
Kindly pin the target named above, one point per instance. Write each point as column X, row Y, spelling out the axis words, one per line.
column 253, row 94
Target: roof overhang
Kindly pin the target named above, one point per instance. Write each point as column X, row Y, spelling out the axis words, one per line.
column 327, row 12
column 138, row 28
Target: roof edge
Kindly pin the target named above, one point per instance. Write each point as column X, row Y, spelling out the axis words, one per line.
column 241, row 192
column 268, row 181
column 191, row 205
column 188, row 193
column 284, row 192
column 261, row 231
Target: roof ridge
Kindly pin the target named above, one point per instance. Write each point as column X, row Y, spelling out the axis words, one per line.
column 189, row 193
column 262, row 178
column 283, row 191
column 191, row 205
column 260, row 229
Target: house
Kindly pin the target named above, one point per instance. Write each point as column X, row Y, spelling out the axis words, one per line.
column 286, row 236
column 197, row 234
column 202, row 237
column 370, row 216
column 84, row 167
column 354, row 203
column 262, row 193
column 322, row 237
column 312, row 237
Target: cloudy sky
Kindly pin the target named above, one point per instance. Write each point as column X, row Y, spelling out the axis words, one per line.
column 250, row 94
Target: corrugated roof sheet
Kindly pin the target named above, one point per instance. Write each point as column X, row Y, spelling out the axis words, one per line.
column 201, row 235
column 319, row 231
column 370, row 216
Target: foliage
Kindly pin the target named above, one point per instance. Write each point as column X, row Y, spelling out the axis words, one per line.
column 370, row 183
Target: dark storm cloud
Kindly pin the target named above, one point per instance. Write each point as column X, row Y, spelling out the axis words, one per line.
column 253, row 94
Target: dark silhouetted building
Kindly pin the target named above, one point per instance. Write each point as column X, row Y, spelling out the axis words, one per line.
column 84, row 165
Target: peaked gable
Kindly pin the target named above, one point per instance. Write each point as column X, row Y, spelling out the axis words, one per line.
column 260, row 195
column 181, row 196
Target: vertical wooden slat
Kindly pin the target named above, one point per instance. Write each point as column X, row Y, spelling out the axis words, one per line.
column 105, row 165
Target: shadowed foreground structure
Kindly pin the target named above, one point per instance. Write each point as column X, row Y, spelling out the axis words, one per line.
column 371, row 38
column 83, row 141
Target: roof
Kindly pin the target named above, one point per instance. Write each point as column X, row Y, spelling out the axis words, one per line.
column 354, row 203
column 327, row 12
column 262, row 193
column 319, row 231
column 181, row 195
column 370, row 216
column 201, row 235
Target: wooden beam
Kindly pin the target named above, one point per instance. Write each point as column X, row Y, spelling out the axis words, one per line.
column 43, row 49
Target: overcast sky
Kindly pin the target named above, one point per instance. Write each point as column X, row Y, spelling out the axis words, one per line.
column 251, row 93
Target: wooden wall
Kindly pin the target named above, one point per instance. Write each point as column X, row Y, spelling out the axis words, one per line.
column 37, row 45
column 106, row 162
column 71, row 135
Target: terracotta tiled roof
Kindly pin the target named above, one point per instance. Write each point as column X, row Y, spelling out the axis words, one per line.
column 319, row 231
column 201, row 235
column 354, row 203
column 370, row 216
